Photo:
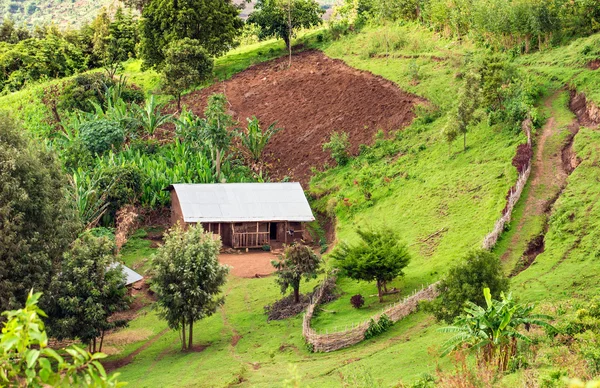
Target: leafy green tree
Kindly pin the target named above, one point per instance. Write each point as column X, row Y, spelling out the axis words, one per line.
column 120, row 42
column 298, row 261
column 254, row 139
column 493, row 330
column 9, row 33
column 88, row 290
column 478, row 270
column 188, row 278
column 37, row 223
column 149, row 117
column 186, row 65
column 468, row 102
column 119, row 185
column 216, row 130
column 214, row 23
column 26, row 359
column 281, row 18
column 379, row 256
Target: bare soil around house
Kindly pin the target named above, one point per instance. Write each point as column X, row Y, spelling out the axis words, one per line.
column 249, row 265
column 315, row 97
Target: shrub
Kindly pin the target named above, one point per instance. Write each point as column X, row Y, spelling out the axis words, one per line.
column 121, row 185
column 76, row 155
column 357, row 301
column 101, row 135
column 338, row 146
column 464, row 282
column 376, row 328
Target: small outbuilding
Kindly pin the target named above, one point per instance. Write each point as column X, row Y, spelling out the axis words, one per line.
column 245, row 215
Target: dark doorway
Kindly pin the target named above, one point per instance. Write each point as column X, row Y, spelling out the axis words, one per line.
column 273, row 231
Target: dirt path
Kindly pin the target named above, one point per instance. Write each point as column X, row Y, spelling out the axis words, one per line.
column 249, row 265
column 115, row 364
column 553, row 161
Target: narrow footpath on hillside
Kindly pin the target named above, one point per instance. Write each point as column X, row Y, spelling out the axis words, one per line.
column 553, row 162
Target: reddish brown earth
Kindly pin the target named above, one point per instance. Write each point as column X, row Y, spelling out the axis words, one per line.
column 249, row 265
column 316, row 96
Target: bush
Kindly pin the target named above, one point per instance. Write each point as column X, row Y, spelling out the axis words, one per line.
column 357, row 301
column 480, row 269
column 76, row 155
column 338, row 146
column 101, row 135
column 121, row 185
column 82, row 91
column 376, row 328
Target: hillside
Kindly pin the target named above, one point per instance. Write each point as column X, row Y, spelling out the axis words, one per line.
column 393, row 88
column 63, row 13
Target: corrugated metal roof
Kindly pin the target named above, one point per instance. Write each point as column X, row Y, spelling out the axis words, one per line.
column 131, row 275
column 243, row 202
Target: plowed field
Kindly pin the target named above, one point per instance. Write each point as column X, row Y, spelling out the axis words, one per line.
column 316, row 96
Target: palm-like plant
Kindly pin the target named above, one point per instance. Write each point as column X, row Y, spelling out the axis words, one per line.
column 89, row 203
column 149, row 117
column 493, row 331
column 254, row 139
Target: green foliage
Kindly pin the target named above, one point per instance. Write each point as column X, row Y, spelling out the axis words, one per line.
column 464, row 282
column 188, row 278
column 338, row 146
column 254, row 139
column 149, row 117
column 38, row 223
column 34, row 59
column 281, row 18
column 101, row 135
column 381, row 326
column 493, row 330
column 120, row 185
column 214, row 24
column 26, row 359
column 186, row 65
column 88, row 290
column 120, row 43
column 297, row 261
column 216, row 130
column 379, row 256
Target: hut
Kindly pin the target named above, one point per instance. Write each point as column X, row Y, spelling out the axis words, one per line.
column 245, row 215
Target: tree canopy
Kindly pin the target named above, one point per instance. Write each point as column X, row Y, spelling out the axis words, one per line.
column 281, row 18
column 187, row 64
column 188, row 278
column 379, row 256
column 213, row 23
column 478, row 270
column 88, row 290
column 298, row 261
column 37, row 224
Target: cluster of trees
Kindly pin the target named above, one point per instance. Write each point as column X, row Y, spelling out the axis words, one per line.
column 507, row 24
column 44, row 246
column 50, row 53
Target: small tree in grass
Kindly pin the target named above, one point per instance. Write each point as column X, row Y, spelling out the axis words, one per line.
column 88, row 290
column 216, row 129
column 186, row 65
column 255, row 139
column 479, row 269
column 379, row 256
column 188, row 279
column 338, row 146
column 298, row 261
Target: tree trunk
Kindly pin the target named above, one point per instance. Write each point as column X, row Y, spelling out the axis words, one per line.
column 183, row 334
column 94, row 346
column 218, row 165
column 179, row 102
column 101, row 340
column 379, row 291
column 296, row 294
column 290, row 31
column 191, row 329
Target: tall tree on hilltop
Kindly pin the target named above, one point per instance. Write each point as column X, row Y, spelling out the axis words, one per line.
column 213, row 23
column 36, row 222
column 281, row 18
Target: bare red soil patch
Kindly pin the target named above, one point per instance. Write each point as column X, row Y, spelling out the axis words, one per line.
column 594, row 65
column 316, row 96
column 249, row 265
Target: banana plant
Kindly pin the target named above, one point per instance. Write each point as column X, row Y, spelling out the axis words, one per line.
column 254, row 139
column 493, row 331
column 149, row 117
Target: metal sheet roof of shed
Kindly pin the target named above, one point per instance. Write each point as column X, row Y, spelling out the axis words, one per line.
column 243, row 202
column 130, row 275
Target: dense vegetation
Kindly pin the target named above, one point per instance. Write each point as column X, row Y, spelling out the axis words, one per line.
column 119, row 145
